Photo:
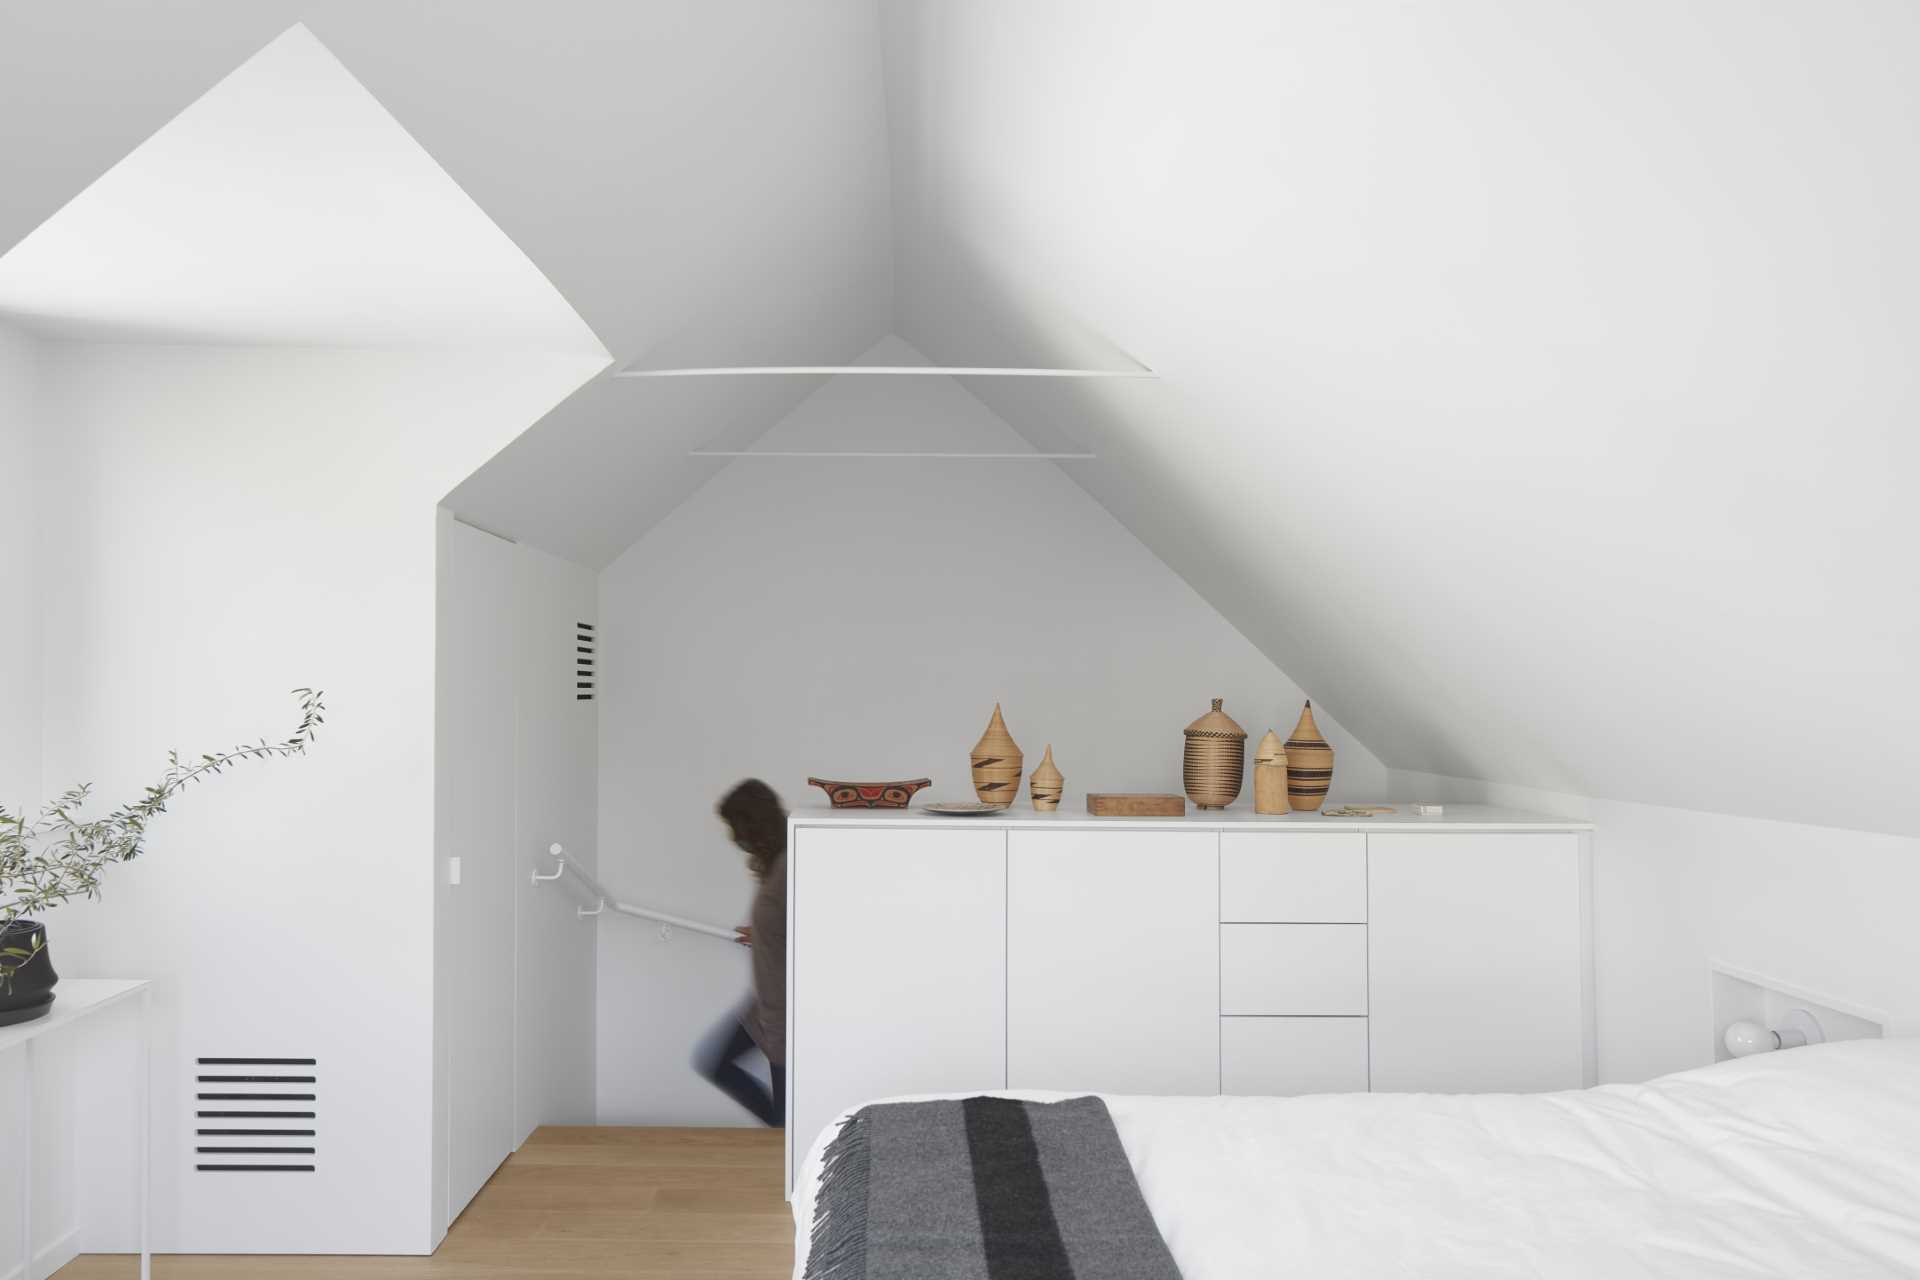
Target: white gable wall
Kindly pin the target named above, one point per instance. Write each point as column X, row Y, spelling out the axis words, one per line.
column 859, row 619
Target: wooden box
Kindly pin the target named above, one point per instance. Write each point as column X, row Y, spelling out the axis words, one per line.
column 1119, row 804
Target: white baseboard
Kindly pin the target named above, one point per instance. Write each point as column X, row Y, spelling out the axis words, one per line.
column 50, row 1258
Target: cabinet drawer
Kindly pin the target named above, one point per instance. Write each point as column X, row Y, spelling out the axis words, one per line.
column 1280, row 876
column 1293, row 1055
column 1293, row 969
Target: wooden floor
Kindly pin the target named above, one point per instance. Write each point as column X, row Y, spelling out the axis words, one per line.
column 586, row 1202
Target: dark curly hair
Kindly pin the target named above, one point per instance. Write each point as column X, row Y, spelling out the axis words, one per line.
column 758, row 822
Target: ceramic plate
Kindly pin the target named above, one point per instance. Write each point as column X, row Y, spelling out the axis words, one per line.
column 958, row 810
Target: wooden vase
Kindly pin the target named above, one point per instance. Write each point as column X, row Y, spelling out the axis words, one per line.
column 1309, row 764
column 997, row 763
column 1216, row 759
column 1046, row 784
column 1270, row 776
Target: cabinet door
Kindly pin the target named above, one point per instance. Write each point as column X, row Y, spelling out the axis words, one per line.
column 477, row 734
column 897, row 968
column 1475, row 959
column 1113, row 961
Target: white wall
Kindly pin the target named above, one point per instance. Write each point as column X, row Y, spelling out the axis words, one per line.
column 859, row 619
column 233, row 523
column 55, row 1221
column 1822, row 909
column 20, row 645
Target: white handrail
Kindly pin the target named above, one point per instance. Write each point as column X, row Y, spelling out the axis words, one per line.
column 607, row 900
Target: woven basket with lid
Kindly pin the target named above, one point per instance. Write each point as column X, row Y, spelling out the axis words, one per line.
column 1216, row 759
column 997, row 764
column 1309, row 764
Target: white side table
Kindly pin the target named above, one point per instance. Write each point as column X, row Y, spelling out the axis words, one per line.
column 74, row 999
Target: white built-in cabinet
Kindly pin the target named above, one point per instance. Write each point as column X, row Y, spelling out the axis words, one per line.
column 1213, row 954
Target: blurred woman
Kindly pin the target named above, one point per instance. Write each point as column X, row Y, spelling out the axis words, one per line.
column 757, row 823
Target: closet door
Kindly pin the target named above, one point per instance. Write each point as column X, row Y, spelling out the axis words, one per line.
column 1475, row 962
column 898, row 978
column 479, row 670
column 1113, row 961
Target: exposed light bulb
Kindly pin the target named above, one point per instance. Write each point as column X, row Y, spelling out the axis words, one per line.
column 1746, row 1038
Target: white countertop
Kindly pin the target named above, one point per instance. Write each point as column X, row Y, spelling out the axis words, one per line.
column 1241, row 817
column 73, row 999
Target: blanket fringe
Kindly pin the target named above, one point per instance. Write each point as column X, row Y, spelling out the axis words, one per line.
column 839, row 1235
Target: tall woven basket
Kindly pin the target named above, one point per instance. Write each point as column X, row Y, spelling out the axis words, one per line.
column 1216, row 759
column 997, row 764
column 1309, row 764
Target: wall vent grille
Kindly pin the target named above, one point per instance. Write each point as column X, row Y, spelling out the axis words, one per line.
column 256, row 1115
column 584, row 647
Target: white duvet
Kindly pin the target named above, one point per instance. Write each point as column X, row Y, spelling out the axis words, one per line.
column 1801, row 1163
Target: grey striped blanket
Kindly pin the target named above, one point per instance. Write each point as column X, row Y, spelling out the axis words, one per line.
column 982, row 1189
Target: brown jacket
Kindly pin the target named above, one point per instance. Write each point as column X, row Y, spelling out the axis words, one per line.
column 766, row 1018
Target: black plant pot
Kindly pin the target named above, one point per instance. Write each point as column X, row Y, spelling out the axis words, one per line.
column 30, row 994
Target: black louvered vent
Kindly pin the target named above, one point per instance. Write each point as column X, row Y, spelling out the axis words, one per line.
column 256, row 1115
column 583, row 647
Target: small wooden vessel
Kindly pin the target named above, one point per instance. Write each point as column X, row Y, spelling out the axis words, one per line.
column 1270, row 776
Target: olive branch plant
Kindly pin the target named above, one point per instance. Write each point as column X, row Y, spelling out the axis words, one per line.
column 60, row 855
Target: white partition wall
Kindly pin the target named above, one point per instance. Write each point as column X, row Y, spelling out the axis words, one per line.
column 218, row 524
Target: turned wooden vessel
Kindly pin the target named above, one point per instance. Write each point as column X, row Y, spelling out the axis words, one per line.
column 997, row 764
column 1309, row 764
column 1270, row 776
column 1216, row 759
column 1046, row 784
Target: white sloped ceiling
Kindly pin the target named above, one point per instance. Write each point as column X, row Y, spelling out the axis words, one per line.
column 704, row 181
column 1538, row 379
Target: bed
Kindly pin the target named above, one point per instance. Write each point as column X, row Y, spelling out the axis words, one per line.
column 1798, row 1163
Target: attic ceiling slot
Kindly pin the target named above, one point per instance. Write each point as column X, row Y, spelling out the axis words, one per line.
column 881, row 370
column 903, row 453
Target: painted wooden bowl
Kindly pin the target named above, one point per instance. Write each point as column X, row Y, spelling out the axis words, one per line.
column 870, row 795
